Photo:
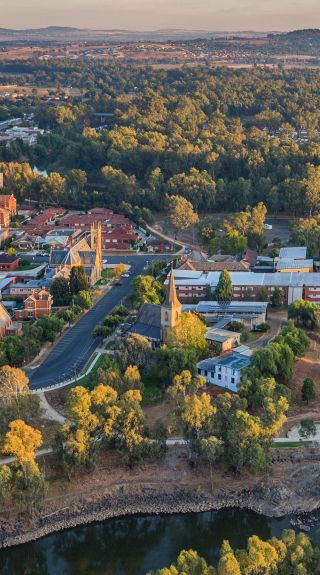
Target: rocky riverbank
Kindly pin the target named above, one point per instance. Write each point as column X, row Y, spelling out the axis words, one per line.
column 296, row 492
column 266, row 499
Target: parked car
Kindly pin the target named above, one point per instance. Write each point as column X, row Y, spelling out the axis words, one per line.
column 267, row 226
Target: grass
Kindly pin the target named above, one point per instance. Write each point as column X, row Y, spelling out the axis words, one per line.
column 25, row 266
column 151, row 390
column 283, row 444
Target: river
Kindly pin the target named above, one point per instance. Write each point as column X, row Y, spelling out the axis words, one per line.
column 134, row 545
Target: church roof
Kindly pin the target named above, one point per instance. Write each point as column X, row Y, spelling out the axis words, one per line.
column 148, row 322
column 171, row 297
column 5, row 318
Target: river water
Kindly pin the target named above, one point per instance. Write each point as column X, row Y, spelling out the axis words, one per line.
column 134, row 545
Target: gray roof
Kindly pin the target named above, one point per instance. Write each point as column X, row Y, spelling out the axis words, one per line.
column 221, row 335
column 295, row 279
column 233, row 361
column 232, row 308
column 294, row 253
column 148, row 322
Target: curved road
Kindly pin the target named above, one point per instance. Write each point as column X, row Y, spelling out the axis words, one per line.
column 73, row 350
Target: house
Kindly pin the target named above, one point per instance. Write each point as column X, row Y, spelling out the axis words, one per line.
column 10, row 263
column 226, row 371
column 36, row 305
column 23, row 290
column 8, row 202
column 155, row 321
column 7, row 326
column 223, row 339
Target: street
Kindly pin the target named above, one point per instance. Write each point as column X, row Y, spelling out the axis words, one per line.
column 71, row 353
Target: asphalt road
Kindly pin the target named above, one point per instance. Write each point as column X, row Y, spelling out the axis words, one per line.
column 71, row 353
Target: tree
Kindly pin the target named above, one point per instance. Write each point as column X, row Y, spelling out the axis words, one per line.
column 233, row 243
column 312, row 186
column 119, row 270
column 304, row 313
column 146, row 289
column 60, row 291
column 224, row 290
column 22, row 442
column 13, row 384
column 307, row 428
column 83, row 299
column 308, row 390
column 53, row 186
column 181, row 213
column 77, row 280
column 197, row 187
column 134, row 350
column 277, row 297
column 188, row 333
column 170, row 361
column 228, row 564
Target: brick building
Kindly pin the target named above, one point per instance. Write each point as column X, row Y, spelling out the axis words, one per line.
column 8, row 202
column 36, row 305
column 9, row 263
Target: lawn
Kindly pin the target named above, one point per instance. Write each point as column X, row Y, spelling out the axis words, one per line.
column 151, row 390
column 283, row 444
column 25, row 266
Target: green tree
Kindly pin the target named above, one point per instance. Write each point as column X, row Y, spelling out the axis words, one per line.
column 308, row 390
column 224, row 290
column 83, row 299
column 188, row 333
column 304, row 313
column 307, row 428
column 60, row 291
column 77, row 280
column 146, row 289
column 228, row 564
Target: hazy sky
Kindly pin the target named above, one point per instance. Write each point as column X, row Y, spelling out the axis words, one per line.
column 154, row 14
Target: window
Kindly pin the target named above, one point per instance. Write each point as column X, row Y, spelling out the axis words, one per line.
column 232, row 380
column 205, row 372
column 166, row 317
column 219, row 376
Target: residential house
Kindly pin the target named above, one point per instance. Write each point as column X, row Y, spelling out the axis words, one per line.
column 36, row 305
column 226, row 371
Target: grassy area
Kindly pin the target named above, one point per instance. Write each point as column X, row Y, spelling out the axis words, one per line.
column 151, row 390
column 107, row 274
column 25, row 266
column 283, row 444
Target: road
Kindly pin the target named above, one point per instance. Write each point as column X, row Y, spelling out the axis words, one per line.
column 71, row 353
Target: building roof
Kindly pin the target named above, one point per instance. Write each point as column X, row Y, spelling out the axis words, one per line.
column 293, row 253
column 290, row 279
column 5, row 259
column 231, row 266
column 148, row 322
column 233, row 307
column 285, row 264
column 221, row 335
column 231, row 360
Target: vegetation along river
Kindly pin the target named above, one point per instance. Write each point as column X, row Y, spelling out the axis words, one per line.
column 134, row 545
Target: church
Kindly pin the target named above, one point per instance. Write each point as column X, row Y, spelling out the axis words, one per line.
column 81, row 253
column 155, row 321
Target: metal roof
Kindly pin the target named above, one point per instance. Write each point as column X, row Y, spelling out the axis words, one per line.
column 293, row 279
column 233, row 361
column 293, row 253
column 232, row 307
column 284, row 264
column 221, row 335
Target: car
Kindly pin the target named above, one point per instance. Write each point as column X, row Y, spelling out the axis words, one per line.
column 267, row 226
column 125, row 275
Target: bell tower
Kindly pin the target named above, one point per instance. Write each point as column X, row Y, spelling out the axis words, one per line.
column 171, row 310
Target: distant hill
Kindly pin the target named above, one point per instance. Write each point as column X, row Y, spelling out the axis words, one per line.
column 56, row 33
column 305, row 41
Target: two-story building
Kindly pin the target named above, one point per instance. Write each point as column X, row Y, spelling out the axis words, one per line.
column 226, row 371
column 36, row 305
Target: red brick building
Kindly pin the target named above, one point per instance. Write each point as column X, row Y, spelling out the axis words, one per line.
column 38, row 304
column 8, row 263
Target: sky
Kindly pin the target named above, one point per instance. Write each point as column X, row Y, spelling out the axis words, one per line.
column 217, row 15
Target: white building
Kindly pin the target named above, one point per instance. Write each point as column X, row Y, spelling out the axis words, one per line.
column 226, row 371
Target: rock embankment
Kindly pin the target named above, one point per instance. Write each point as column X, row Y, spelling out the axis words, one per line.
column 267, row 498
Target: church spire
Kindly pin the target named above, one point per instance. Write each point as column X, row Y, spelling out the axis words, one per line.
column 171, row 297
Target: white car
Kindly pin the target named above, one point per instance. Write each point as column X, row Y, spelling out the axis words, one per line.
column 267, row 226
column 125, row 275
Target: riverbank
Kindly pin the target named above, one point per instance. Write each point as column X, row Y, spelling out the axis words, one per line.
column 169, row 487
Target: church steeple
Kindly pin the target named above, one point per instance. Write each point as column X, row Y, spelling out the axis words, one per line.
column 171, row 310
column 171, row 297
